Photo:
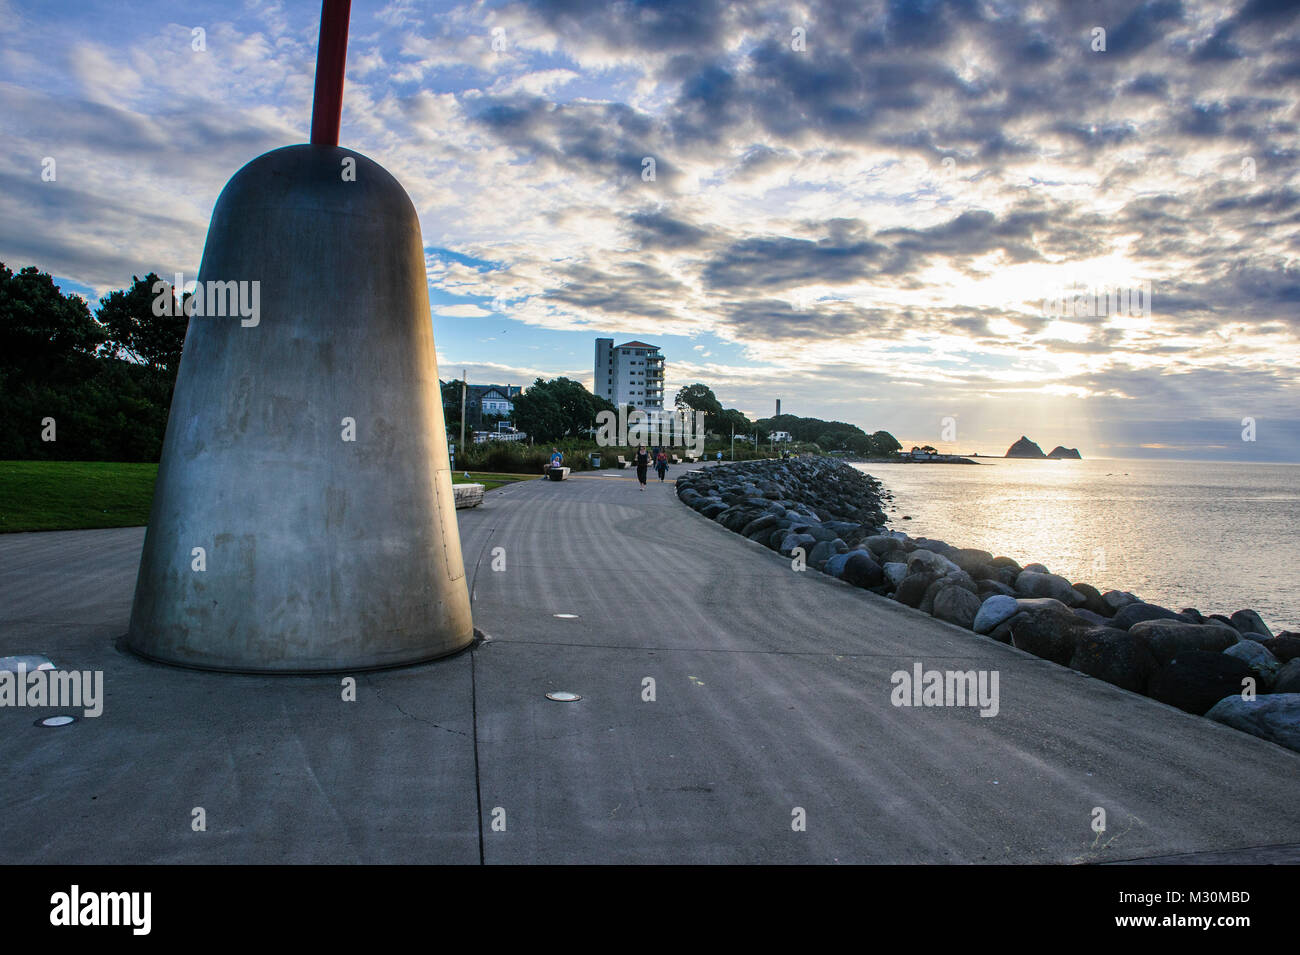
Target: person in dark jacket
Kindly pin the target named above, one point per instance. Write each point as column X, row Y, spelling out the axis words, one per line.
column 661, row 464
column 642, row 462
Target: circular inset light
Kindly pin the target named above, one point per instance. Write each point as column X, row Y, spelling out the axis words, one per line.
column 565, row 616
column 562, row 696
column 56, row 721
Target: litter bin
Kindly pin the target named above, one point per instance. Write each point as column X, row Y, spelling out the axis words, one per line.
column 593, row 460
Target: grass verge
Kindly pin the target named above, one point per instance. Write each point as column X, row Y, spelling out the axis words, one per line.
column 71, row 495
column 77, row 495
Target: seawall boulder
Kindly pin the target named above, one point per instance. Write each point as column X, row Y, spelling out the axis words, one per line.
column 1197, row 679
column 1274, row 717
column 1168, row 638
column 1116, row 656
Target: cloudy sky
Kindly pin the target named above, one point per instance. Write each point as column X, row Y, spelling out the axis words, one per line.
column 863, row 208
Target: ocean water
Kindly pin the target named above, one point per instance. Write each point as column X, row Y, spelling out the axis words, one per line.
column 1211, row 535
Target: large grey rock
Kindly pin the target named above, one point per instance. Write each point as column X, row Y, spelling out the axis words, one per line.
column 1255, row 656
column 894, row 573
column 912, row 590
column 1116, row 656
column 1092, row 600
column 1093, row 619
column 1133, row 613
column 1046, row 628
column 993, row 611
column 987, row 588
column 823, row 551
column 1002, row 632
column 927, row 600
column 764, row 534
column 792, row 540
column 938, row 546
column 977, row 563
column 736, row 517
column 1285, row 647
column 1288, row 677
column 1273, row 716
column 881, row 544
column 1195, row 680
column 860, row 570
column 1034, row 584
column 821, row 533
column 929, row 560
column 1168, row 638
column 957, row 578
column 1119, row 599
column 956, row 605
column 758, row 524
column 1250, row 624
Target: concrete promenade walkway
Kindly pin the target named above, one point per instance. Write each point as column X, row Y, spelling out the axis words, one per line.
column 772, row 694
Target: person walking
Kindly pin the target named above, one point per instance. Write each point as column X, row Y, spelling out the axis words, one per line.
column 642, row 462
column 661, row 464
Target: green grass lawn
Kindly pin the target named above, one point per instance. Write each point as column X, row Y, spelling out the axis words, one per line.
column 73, row 495
column 69, row 495
column 489, row 480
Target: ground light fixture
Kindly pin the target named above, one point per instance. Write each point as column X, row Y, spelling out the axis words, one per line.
column 563, row 696
column 54, row 721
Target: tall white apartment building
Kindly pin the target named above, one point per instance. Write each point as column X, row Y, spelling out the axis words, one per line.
column 631, row 374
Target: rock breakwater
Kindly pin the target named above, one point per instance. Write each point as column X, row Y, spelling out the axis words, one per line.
column 825, row 515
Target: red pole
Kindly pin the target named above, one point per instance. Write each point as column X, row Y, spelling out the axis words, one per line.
column 331, row 55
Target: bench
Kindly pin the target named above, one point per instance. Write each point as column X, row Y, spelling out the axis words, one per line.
column 676, row 459
column 623, row 464
column 557, row 474
column 467, row 495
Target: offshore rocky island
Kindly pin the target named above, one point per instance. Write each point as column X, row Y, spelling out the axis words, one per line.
column 823, row 513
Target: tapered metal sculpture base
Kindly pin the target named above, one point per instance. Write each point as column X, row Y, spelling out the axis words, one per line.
column 304, row 518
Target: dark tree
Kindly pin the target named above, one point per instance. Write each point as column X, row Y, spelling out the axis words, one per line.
column 559, row 408
column 136, row 332
column 56, row 364
column 701, row 398
column 43, row 332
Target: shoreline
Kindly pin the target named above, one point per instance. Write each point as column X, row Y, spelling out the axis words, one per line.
column 823, row 514
column 949, row 459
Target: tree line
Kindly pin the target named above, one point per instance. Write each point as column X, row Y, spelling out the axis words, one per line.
column 562, row 408
column 80, row 386
column 96, row 386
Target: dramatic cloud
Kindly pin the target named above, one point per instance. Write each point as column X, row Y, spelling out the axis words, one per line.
column 863, row 207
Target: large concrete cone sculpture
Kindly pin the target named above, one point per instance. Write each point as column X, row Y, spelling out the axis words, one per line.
column 303, row 518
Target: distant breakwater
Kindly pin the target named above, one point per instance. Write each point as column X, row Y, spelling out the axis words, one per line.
column 827, row 516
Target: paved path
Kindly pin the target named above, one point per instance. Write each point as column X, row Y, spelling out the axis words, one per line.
column 772, row 693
